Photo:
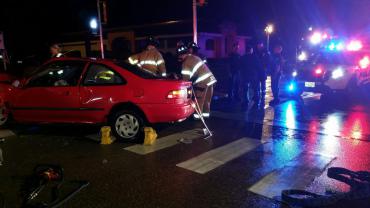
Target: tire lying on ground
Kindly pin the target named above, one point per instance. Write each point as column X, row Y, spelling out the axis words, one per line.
column 127, row 125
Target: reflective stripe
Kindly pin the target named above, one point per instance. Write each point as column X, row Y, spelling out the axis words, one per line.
column 211, row 82
column 196, row 116
column 164, row 74
column 196, row 67
column 205, row 115
column 186, row 72
column 160, row 62
column 148, row 62
column 203, row 77
column 132, row 61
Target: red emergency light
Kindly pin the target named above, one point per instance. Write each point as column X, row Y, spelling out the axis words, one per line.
column 364, row 63
column 318, row 71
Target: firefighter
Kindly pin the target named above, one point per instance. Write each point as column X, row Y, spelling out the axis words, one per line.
column 56, row 51
column 195, row 70
column 277, row 62
column 150, row 59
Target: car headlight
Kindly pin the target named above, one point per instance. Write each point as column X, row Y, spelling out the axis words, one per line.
column 295, row 73
column 337, row 73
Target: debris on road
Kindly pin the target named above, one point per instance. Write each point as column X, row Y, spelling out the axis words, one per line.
column 358, row 181
column 186, row 141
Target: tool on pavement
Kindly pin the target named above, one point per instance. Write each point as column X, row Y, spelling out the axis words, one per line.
column 48, row 176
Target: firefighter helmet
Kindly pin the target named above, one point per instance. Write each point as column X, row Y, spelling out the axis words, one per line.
column 181, row 49
column 193, row 45
column 152, row 41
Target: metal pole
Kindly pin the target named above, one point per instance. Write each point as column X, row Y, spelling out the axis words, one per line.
column 100, row 30
column 195, row 22
column 268, row 42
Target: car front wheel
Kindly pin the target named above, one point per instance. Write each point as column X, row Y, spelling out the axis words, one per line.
column 4, row 116
column 127, row 125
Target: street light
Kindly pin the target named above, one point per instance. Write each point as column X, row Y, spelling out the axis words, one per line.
column 93, row 24
column 268, row 30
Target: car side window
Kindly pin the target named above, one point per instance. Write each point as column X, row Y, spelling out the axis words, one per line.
column 100, row 75
column 59, row 73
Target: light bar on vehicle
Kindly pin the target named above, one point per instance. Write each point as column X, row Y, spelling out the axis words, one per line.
column 354, row 45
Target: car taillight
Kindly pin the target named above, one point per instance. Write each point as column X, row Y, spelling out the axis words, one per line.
column 364, row 62
column 177, row 94
column 319, row 71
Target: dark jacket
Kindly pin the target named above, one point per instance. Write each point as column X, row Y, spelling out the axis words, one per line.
column 234, row 63
column 250, row 67
column 277, row 62
column 263, row 63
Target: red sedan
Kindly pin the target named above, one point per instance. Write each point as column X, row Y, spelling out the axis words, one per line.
column 70, row 90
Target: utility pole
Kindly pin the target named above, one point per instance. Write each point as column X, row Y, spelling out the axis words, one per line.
column 269, row 29
column 195, row 22
column 100, row 30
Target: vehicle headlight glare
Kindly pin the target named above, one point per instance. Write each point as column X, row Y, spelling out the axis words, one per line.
column 337, row 73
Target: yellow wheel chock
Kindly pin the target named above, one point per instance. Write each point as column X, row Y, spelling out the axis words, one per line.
column 150, row 136
column 106, row 137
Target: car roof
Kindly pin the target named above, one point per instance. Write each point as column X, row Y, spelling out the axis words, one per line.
column 98, row 60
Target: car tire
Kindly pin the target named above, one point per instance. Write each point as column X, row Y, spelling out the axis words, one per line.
column 127, row 125
column 4, row 116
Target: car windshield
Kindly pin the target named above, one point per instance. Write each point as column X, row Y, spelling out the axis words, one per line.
column 137, row 71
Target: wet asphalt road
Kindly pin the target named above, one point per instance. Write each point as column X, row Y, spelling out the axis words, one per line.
column 271, row 144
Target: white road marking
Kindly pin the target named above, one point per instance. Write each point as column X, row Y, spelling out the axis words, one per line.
column 6, row 133
column 214, row 158
column 165, row 142
column 299, row 173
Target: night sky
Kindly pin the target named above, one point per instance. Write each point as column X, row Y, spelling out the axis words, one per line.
column 35, row 23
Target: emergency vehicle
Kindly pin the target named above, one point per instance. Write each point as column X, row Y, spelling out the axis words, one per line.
column 335, row 65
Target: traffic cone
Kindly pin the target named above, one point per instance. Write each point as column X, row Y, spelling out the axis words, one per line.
column 150, row 136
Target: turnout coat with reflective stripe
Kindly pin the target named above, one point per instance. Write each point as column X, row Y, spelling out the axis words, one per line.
column 196, row 70
column 150, row 60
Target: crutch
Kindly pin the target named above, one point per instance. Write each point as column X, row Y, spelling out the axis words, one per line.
column 196, row 107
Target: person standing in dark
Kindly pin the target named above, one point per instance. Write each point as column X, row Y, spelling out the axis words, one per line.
column 277, row 62
column 235, row 65
column 248, row 74
column 263, row 59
